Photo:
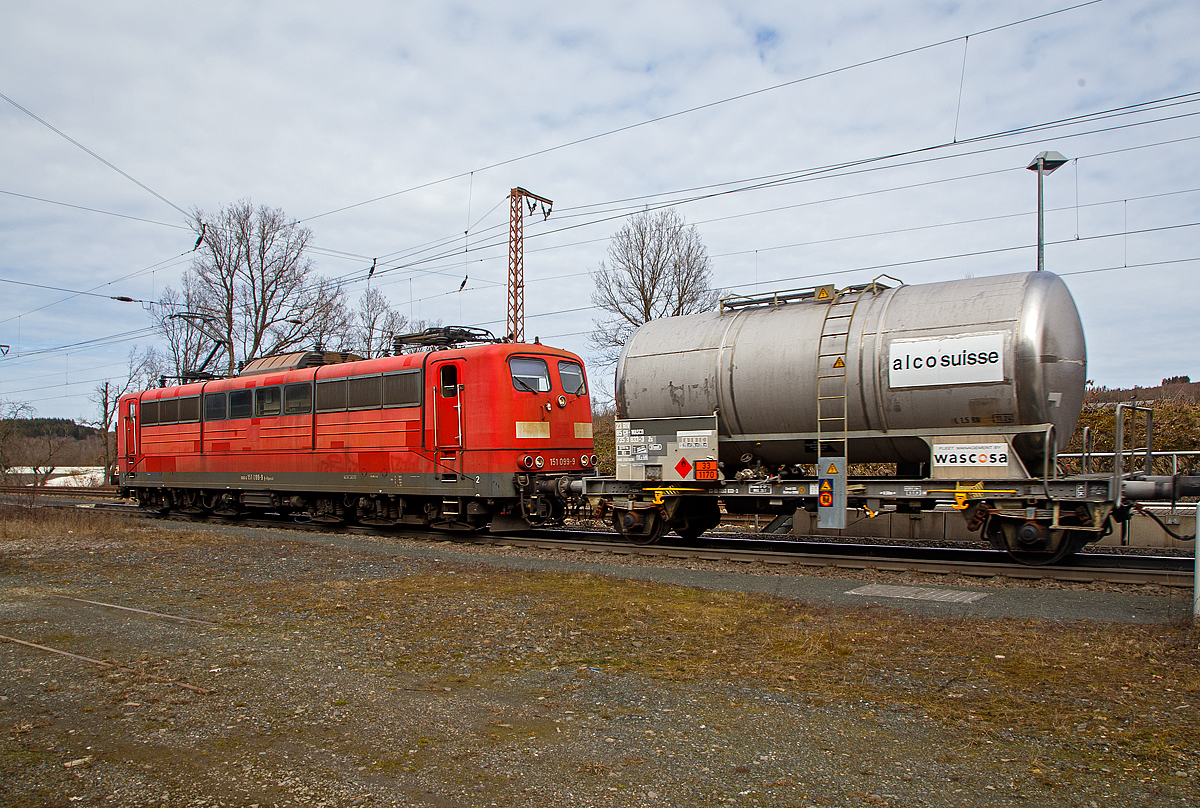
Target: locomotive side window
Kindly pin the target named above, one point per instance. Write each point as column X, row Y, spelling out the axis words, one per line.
column 331, row 396
column 267, row 401
column 402, row 389
column 297, row 399
column 214, row 407
column 149, row 413
column 189, row 409
column 364, row 393
column 532, row 375
column 241, row 403
column 168, row 410
column 571, row 375
column 449, row 381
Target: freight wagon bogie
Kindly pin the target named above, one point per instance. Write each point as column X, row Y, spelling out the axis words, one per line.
column 462, row 437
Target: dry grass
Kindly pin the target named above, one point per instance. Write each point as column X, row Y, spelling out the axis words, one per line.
column 1130, row 689
column 20, row 523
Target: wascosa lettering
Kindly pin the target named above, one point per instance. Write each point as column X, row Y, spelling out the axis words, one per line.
column 971, row 459
column 970, row 454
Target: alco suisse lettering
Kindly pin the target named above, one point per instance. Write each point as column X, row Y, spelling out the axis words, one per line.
column 971, row 359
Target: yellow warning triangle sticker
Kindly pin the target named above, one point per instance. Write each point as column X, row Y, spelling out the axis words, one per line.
column 825, row 486
column 832, row 469
column 838, row 363
column 822, row 294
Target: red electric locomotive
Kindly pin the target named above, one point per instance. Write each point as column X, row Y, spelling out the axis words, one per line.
column 459, row 436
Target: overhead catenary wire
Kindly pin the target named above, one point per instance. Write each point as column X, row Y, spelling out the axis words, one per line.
column 831, row 171
column 710, row 105
column 75, row 142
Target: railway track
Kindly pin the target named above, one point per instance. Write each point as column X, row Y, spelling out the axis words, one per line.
column 1173, row 571
column 57, row 491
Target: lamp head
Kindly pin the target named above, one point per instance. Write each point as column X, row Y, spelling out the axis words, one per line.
column 1051, row 162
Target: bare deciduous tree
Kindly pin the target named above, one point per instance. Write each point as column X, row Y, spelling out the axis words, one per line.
column 252, row 276
column 657, row 267
column 375, row 322
column 11, row 414
column 186, row 345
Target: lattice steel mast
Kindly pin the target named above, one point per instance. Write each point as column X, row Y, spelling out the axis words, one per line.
column 516, row 258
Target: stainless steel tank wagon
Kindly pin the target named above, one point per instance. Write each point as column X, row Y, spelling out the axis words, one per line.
column 969, row 387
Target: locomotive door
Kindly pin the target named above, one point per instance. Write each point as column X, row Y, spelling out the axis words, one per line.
column 447, row 408
column 130, row 420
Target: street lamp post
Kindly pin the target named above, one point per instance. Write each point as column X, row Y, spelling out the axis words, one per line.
column 1046, row 162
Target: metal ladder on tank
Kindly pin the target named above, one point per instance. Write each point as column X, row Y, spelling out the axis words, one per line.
column 832, row 412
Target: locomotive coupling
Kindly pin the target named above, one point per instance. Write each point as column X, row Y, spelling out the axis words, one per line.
column 560, row 487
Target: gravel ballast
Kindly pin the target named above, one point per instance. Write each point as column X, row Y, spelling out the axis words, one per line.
column 342, row 671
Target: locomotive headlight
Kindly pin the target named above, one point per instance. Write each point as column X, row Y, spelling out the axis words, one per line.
column 562, row 401
column 595, row 460
column 538, row 461
column 527, row 461
column 583, row 460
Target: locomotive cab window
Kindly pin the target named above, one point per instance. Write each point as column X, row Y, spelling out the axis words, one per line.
column 530, row 375
column 449, row 381
column 241, row 403
column 297, row 399
column 571, row 375
column 214, row 407
column 267, row 401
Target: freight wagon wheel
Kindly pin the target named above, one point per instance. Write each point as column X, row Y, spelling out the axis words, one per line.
column 640, row 527
column 695, row 516
column 1032, row 543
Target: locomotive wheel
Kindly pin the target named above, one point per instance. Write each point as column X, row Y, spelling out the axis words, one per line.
column 153, row 502
column 543, row 511
column 640, row 527
column 325, row 512
column 192, row 503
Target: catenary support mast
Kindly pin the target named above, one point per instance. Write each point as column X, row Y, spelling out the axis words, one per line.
column 516, row 257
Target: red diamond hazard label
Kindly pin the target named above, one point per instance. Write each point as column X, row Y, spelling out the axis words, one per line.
column 683, row 467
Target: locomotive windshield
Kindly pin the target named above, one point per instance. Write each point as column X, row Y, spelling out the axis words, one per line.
column 530, row 374
column 571, row 375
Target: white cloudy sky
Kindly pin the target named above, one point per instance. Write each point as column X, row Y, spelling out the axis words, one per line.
column 436, row 110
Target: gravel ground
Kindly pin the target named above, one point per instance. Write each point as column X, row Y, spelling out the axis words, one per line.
column 344, row 671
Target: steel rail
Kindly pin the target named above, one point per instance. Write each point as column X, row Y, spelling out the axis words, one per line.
column 1096, row 571
column 1175, row 572
column 59, row 491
